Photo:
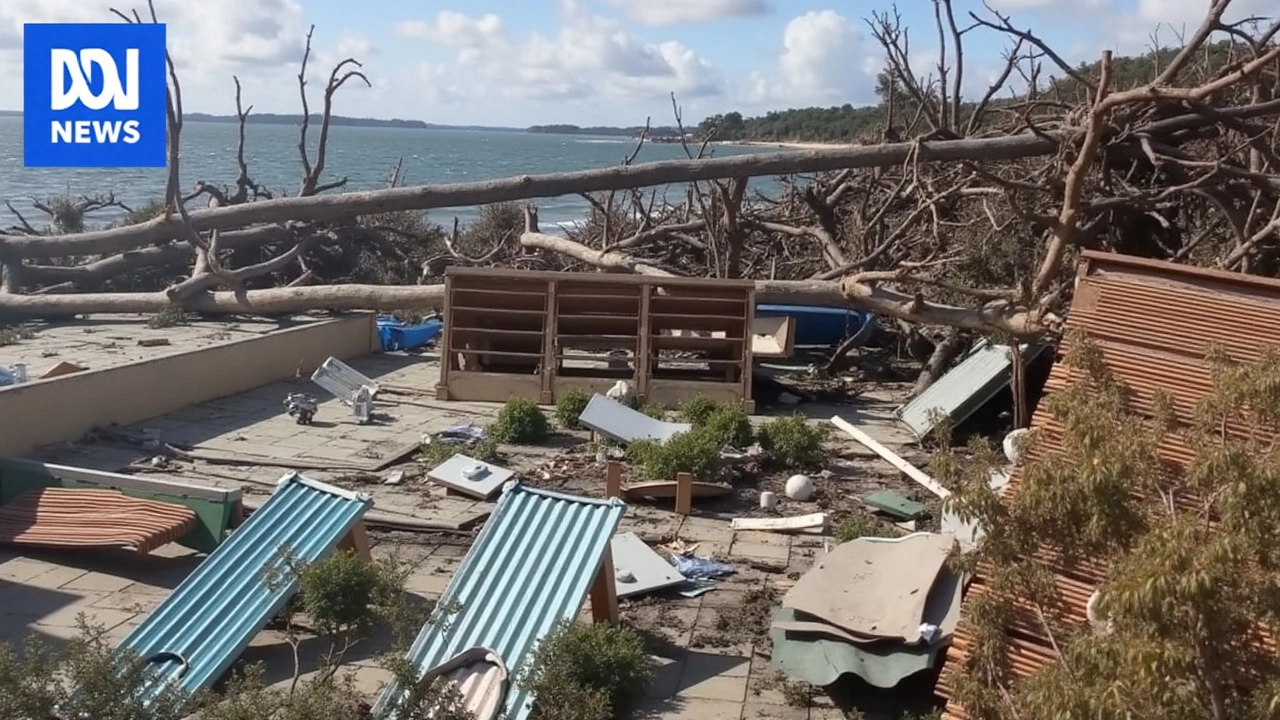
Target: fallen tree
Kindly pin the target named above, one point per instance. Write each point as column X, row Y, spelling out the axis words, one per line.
column 968, row 226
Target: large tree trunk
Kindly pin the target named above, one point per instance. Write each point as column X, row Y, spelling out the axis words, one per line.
column 622, row 177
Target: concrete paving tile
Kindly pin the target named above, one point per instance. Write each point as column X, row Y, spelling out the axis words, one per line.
column 67, row 617
column 682, row 708
column 759, row 551
column 728, row 689
column 55, row 577
column 21, row 570
column 666, row 676
column 752, row 710
column 98, row 582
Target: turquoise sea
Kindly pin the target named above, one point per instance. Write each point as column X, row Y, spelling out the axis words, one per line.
column 365, row 155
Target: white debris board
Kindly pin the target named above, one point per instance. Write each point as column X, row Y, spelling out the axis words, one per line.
column 647, row 570
column 452, row 474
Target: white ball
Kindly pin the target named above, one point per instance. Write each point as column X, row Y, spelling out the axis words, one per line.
column 1012, row 441
column 799, row 487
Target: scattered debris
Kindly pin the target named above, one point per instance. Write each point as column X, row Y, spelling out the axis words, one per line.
column 874, row 587
column 768, row 500
column 647, row 570
column 773, row 336
column 15, row 375
column 62, row 368
column 878, row 608
column 664, row 489
column 301, row 407
column 395, row 477
column 153, row 342
column 350, row 387
column 982, row 373
column 892, row 502
column 801, row 523
column 907, row 468
column 700, row 567
column 616, row 421
column 468, row 476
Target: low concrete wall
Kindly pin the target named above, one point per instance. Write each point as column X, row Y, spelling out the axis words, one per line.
column 60, row 409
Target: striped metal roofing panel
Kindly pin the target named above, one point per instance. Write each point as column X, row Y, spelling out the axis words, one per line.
column 529, row 568
column 1153, row 321
column 982, row 373
column 204, row 625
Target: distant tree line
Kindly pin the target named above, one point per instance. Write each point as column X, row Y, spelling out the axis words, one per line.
column 847, row 123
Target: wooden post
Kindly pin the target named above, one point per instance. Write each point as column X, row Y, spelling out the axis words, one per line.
column 358, row 541
column 613, row 479
column 447, row 354
column 550, row 363
column 644, row 362
column 684, row 493
column 604, row 594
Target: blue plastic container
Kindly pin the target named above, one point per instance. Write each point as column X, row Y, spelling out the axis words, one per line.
column 396, row 334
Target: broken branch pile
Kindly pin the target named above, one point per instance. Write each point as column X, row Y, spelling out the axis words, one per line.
column 969, row 225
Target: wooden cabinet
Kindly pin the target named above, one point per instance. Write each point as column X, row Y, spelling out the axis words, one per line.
column 511, row 333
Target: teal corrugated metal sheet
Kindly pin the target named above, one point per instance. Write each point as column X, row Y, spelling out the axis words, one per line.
column 200, row 629
column 530, row 567
column 965, row 388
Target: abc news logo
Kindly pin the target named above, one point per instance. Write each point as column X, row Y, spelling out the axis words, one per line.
column 71, row 71
column 94, row 95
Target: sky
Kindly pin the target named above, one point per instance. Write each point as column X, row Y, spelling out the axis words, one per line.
column 588, row 62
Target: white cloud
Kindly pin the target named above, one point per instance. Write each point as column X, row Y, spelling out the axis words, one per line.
column 824, row 60
column 674, row 12
column 356, row 46
column 588, row 55
column 260, row 41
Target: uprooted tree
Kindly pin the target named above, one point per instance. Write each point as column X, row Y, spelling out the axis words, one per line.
column 961, row 215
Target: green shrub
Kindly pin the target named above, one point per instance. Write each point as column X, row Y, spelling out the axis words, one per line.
column 588, row 672
column 569, row 407
column 793, row 442
column 653, row 410
column 730, row 425
column 519, row 421
column 436, row 452
column 859, row 526
column 696, row 452
column 697, row 409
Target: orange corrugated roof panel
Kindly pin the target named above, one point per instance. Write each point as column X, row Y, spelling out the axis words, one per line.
column 1153, row 321
column 82, row 518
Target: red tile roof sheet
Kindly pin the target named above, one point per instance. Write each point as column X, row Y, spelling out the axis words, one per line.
column 1153, row 321
column 64, row 517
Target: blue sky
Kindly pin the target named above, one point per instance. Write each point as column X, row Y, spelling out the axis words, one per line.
column 520, row 62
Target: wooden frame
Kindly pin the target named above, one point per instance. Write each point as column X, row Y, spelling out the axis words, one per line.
column 512, row 333
column 358, row 541
column 604, row 591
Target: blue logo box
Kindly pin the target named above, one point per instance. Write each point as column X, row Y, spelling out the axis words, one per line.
column 94, row 95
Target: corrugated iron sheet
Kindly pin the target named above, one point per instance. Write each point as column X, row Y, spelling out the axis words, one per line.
column 200, row 629
column 1153, row 321
column 529, row 568
column 983, row 372
column 61, row 517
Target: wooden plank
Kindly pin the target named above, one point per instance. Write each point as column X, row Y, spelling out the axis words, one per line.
column 604, row 592
column 613, row 479
column 785, row 524
column 684, row 494
column 907, row 468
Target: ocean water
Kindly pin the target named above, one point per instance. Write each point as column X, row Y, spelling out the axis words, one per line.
column 364, row 155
